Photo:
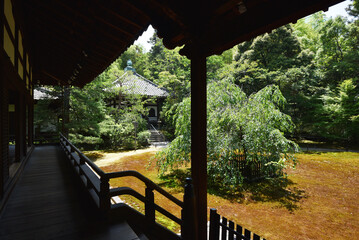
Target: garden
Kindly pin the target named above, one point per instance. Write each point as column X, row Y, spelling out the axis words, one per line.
column 318, row 198
column 295, row 85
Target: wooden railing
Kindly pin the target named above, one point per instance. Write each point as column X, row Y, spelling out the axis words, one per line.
column 97, row 184
column 224, row 229
column 252, row 169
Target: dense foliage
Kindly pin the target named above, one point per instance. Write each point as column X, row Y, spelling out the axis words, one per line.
column 312, row 66
column 238, row 124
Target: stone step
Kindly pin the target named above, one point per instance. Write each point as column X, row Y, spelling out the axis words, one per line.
column 156, row 136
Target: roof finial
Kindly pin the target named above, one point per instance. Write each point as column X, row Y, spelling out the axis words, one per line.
column 129, row 66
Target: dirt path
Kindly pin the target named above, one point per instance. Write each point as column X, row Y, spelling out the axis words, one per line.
column 111, row 158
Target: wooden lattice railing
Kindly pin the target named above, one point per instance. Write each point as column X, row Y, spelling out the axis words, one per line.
column 252, row 169
column 96, row 181
column 222, row 228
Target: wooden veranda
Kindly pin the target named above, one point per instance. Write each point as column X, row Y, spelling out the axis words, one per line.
column 63, row 42
column 48, row 203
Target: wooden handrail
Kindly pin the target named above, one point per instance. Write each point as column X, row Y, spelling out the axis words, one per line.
column 129, row 191
column 82, row 156
column 97, row 184
column 126, row 191
column 147, row 181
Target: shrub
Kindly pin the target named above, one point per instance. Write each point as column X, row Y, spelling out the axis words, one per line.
column 85, row 142
column 143, row 137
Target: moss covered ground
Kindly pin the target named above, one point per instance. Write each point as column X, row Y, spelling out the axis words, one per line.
column 318, row 199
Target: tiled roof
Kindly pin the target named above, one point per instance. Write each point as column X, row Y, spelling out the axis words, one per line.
column 133, row 83
column 43, row 93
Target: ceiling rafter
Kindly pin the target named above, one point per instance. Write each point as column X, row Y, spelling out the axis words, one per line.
column 110, row 11
column 95, row 32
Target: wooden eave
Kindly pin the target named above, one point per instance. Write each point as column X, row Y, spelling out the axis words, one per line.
column 215, row 26
column 74, row 41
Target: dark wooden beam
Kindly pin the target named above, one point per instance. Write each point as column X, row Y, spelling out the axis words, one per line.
column 54, row 77
column 116, row 14
column 3, row 105
column 2, row 23
column 16, row 47
column 103, row 32
column 76, row 40
column 199, row 140
column 111, row 25
column 64, row 26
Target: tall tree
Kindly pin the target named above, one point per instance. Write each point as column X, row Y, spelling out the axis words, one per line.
column 279, row 58
column 340, row 116
column 252, row 125
column 334, row 35
column 353, row 9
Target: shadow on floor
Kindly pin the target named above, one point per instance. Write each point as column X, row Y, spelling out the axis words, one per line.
column 279, row 190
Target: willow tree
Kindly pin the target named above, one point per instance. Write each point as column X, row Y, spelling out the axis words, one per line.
column 253, row 126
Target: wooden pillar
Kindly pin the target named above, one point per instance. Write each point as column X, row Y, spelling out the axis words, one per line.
column 3, row 114
column 23, row 132
column 17, row 126
column 199, row 141
column 16, row 47
column 4, row 129
column 31, row 124
column 3, row 145
column 189, row 223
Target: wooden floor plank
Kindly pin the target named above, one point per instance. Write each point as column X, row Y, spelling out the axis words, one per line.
column 47, row 203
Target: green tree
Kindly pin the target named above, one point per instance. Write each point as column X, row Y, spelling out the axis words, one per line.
column 252, row 125
column 279, row 58
column 93, row 124
column 161, row 59
column 216, row 62
column 341, row 112
column 136, row 54
column 87, row 110
column 307, row 31
column 331, row 55
column 353, row 9
column 277, row 50
column 48, row 110
column 170, row 70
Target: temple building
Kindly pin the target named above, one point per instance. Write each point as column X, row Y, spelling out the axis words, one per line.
column 132, row 83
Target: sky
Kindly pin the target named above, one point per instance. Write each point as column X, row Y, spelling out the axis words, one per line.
column 143, row 39
column 336, row 10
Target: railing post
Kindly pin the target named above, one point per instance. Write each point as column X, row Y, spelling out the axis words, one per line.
column 214, row 224
column 188, row 228
column 69, row 153
column 104, row 195
column 149, row 205
column 82, row 159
